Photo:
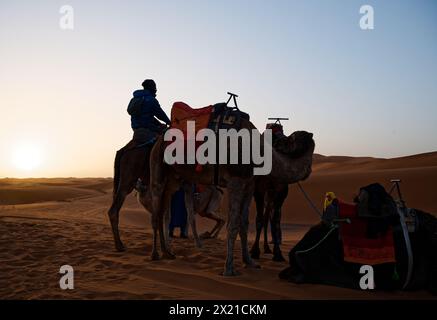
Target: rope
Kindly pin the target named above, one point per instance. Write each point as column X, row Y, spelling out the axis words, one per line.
column 321, row 240
column 309, row 200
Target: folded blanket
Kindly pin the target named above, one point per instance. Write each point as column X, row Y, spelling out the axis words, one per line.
column 358, row 246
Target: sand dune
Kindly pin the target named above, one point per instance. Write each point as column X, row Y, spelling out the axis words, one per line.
column 18, row 191
column 46, row 223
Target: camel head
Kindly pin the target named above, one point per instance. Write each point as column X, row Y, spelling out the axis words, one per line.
column 293, row 160
column 296, row 144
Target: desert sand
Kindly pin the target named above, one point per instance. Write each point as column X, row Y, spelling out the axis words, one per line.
column 46, row 223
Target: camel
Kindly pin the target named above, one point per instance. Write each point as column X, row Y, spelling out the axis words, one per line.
column 290, row 167
column 131, row 171
column 131, row 164
column 269, row 198
column 206, row 205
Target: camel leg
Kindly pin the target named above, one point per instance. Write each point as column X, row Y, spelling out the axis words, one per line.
column 216, row 229
column 166, row 224
column 165, row 246
column 155, row 226
column 155, row 222
column 259, row 201
column 189, row 206
column 266, row 221
column 155, row 254
column 276, row 227
column 279, row 199
column 113, row 215
column 157, row 193
column 163, row 230
column 233, row 224
column 244, row 227
column 218, row 226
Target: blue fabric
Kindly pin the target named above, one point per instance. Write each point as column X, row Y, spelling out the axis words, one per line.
column 178, row 210
column 149, row 110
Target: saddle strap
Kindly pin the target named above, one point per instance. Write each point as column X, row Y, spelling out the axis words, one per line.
column 401, row 212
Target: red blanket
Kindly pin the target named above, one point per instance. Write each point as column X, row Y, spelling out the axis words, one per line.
column 357, row 247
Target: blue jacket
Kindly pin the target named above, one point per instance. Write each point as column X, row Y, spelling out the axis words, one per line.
column 149, row 110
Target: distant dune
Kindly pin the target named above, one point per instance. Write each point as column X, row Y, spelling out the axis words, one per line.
column 45, row 223
column 345, row 175
column 24, row 191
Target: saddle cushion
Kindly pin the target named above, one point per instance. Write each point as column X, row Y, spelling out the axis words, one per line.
column 181, row 113
column 358, row 247
column 225, row 117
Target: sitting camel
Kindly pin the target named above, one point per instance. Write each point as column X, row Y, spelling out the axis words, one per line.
column 290, row 167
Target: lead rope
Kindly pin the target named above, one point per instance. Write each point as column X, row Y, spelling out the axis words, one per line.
column 310, row 201
column 332, row 227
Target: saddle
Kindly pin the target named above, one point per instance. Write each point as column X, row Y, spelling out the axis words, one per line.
column 224, row 117
column 359, row 244
column 214, row 117
column 181, row 113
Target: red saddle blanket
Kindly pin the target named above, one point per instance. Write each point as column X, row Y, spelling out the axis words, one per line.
column 357, row 247
column 181, row 113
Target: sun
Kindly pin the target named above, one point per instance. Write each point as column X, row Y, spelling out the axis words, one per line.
column 27, row 157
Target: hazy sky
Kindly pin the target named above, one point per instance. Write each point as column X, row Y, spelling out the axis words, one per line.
column 64, row 93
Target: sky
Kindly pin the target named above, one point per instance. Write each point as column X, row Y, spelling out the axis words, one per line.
column 64, row 93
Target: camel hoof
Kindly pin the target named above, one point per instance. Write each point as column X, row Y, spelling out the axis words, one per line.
column 169, row 255
column 155, row 256
column 198, row 244
column 255, row 253
column 231, row 273
column 120, row 247
column 267, row 250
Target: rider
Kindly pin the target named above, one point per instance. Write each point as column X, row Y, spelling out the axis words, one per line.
column 144, row 108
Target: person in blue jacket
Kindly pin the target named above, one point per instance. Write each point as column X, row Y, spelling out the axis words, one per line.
column 145, row 111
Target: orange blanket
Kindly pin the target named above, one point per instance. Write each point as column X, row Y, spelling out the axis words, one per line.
column 181, row 113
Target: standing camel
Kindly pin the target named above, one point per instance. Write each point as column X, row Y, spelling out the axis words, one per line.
column 131, row 164
column 132, row 170
column 238, row 179
column 269, row 198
